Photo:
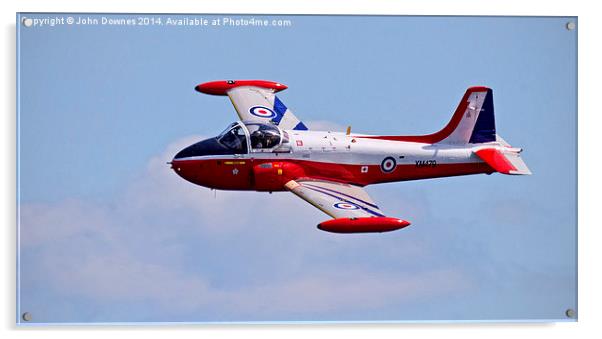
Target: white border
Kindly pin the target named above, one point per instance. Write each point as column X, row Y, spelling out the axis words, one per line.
column 589, row 182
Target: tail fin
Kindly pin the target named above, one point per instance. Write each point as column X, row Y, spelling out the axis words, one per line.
column 474, row 120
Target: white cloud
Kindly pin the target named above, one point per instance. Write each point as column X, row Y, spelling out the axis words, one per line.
column 175, row 248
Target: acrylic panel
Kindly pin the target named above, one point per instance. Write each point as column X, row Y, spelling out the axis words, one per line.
column 130, row 210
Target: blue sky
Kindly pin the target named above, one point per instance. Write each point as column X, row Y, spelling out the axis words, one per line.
column 109, row 233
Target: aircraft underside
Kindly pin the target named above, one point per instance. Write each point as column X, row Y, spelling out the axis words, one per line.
column 272, row 174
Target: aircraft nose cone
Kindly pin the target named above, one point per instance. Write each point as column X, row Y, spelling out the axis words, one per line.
column 179, row 163
column 185, row 165
column 184, row 169
column 176, row 165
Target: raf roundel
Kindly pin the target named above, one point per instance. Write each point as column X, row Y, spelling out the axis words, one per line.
column 346, row 206
column 388, row 164
column 262, row 112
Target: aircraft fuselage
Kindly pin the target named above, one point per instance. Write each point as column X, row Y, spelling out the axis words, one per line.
column 333, row 156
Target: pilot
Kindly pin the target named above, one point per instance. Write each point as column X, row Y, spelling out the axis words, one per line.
column 257, row 139
column 270, row 139
column 264, row 139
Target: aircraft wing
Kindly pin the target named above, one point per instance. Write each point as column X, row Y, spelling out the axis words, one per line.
column 335, row 199
column 255, row 101
column 353, row 209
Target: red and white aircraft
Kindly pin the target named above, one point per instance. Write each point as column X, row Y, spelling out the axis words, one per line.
column 270, row 149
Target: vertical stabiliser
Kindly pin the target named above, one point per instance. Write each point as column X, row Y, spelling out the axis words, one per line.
column 474, row 120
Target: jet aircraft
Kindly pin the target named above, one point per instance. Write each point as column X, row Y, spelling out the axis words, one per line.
column 269, row 149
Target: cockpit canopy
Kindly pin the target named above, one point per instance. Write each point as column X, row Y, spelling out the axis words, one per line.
column 240, row 138
column 234, row 138
column 245, row 137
